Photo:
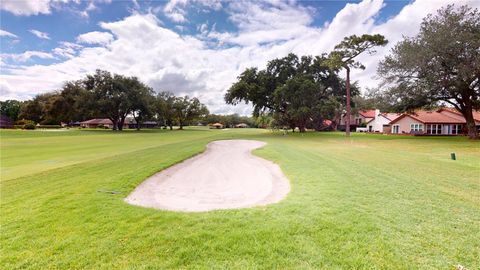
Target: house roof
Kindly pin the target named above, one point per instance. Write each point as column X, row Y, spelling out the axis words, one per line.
column 217, row 125
column 476, row 114
column 391, row 116
column 434, row 117
column 98, row 121
column 367, row 113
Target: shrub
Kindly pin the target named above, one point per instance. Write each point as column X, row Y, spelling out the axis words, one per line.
column 23, row 122
column 49, row 126
column 29, row 126
column 100, row 126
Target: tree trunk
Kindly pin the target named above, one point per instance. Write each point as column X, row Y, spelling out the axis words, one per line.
column 120, row 124
column 114, row 123
column 471, row 128
column 347, row 123
column 301, row 128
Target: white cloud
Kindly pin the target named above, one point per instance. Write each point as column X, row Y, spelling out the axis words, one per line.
column 176, row 11
column 95, row 37
column 26, row 8
column 39, row 34
column 189, row 65
column 4, row 33
column 37, row 7
column 23, row 57
column 67, row 49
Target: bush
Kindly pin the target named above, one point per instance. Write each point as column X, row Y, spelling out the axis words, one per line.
column 23, row 122
column 29, row 126
column 100, row 126
column 49, row 126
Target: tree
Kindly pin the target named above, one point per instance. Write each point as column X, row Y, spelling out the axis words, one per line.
column 71, row 104
column 37, row 109
column 374, row 98
column 112, row 95
column 343, row 56
column 10, row 108
column 141, row 101
column 302, row 96
column 440, row 64
column 290, row 89
column 187, row 109
column 165, row 108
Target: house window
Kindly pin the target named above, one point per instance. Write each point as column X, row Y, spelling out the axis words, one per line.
column 434, row 129
column 395, row 129
column 416, row 127
column 456, row 129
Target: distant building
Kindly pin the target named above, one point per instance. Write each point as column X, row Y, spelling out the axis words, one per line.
column 216, row 125
column 445, row 121
column 94, row 123
column 356, row 119
column 241, row 125
column 381, row 121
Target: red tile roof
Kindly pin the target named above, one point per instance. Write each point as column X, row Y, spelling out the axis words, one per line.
column 476, row 114
column 431, row 117
column 327, row 122
column 391, row 116
column 98, row 121
column 367, row 113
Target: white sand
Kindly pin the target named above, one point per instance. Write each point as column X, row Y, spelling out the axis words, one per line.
column 225, row 176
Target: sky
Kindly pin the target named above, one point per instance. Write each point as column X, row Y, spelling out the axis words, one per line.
column 188, row 47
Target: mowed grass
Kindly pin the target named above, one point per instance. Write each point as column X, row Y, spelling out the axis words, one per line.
column 368, row 202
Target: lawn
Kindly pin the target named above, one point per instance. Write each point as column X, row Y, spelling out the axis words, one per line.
column 368, row 202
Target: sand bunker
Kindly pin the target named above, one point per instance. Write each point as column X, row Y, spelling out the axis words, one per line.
column 225, row 176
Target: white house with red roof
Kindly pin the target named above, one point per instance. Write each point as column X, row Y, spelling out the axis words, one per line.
column 444, row 121
column 357, row 119
column 381, row 121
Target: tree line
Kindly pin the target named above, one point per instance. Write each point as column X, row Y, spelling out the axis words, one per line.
column 106, row 95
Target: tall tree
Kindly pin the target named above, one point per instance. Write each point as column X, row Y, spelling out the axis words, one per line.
column 440, row 64
column 111, row 95
column 302, row 96
column 10, row 108
column 164, row 108
column 291, row 89
column 141, row 100
column 343, row 56
column 37, row 108
column 71, row 104
column 187, row 109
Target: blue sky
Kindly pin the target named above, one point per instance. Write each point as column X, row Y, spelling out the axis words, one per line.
column 194, row 47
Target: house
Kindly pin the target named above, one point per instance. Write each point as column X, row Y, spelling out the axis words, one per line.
column 357, row 119
column 381, row 121
column 444, row 121
column 216, row 125
column 145, row 124
column 94, row 123
column 241, row 125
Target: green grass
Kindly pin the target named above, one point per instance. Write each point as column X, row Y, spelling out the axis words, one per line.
column 369, row 202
